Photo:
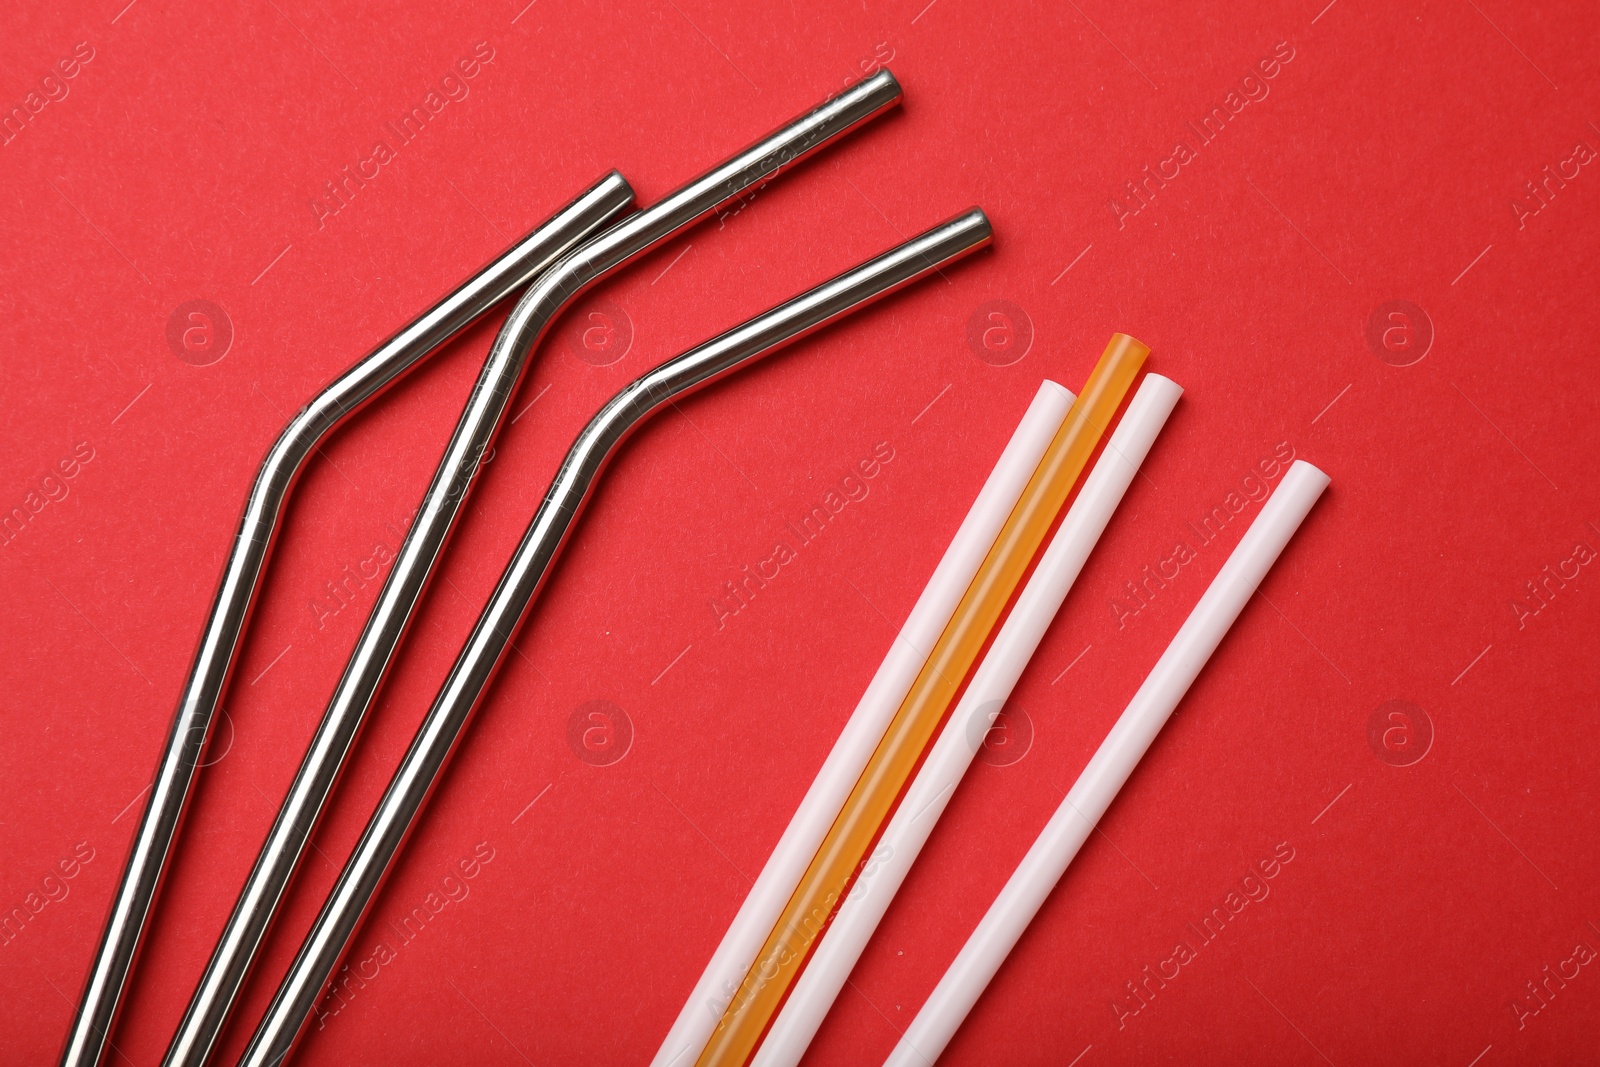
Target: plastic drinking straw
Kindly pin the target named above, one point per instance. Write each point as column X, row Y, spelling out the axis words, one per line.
column 1109, row 768
column 889, row 686
column 485, row 650
column 520, row 335
column 961, row 738
column 808, row 910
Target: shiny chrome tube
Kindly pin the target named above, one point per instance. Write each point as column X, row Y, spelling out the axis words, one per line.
column 241, row 577
column 363, row 676
column 527, row 323
column 485, row 649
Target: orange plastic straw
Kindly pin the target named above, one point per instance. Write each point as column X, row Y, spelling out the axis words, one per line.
column 761, row 993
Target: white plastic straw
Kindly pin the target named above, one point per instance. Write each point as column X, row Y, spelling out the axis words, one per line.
column 843, row 767
column 1106, row 772
column 986, row 693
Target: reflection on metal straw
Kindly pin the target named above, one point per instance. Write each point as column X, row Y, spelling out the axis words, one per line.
column 241, row 577
column 475, row 667
column 358, row 688
column 527, row 323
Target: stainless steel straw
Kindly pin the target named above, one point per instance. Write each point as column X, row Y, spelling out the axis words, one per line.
column 545, row 299
column 241, row 577
column 478, row 661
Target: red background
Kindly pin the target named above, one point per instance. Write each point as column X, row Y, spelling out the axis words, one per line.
column 1383, row 165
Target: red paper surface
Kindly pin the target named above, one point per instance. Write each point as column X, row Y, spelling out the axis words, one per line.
column 1384, row 160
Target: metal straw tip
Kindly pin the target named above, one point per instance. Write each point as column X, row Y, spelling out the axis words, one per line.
column 884, row 82
column 975, row 224
column 615, row 185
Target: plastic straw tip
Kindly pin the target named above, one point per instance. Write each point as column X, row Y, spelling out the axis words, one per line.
column 1129, row 342
column 1313, row 475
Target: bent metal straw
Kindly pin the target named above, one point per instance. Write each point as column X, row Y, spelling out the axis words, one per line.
column 241, row 577
column 961, row 738
column 861, row 734
column 546, row 298
column 1109, row 768
column 790, row 943
column 325, row 945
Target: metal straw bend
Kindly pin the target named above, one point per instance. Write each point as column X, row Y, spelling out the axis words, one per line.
column 241, row 578
column 502, row 372
column 295, row 1001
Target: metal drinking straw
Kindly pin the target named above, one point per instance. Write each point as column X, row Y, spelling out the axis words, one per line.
column 241, row 578
column 478, row 661
column 527, row 323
